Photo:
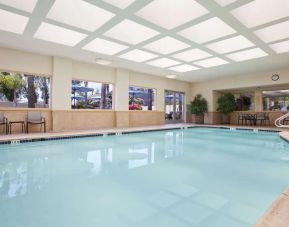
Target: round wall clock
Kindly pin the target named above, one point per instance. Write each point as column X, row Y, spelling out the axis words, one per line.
column 275, row 77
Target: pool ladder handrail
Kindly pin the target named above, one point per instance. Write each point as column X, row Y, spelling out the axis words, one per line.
column 278, row 121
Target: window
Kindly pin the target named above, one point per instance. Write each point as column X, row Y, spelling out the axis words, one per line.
column 141, row 98
column 91, row 95
column 276, row 100
column 24, row 90
column 244, row 101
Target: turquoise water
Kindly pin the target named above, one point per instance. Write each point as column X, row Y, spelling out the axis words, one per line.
column 196, row 177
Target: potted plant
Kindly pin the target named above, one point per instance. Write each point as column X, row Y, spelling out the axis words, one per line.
column 226, row 105
column 198, row 107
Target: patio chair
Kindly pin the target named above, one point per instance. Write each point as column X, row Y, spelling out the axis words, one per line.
column 286, row 121
column 241, row 118
column 261, row 117
column 4, row 122
column 35, row 118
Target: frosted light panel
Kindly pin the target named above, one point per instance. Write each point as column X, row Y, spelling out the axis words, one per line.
column 79, row 14
column 104, row 47
column 60, row 35
column 260, row 12
column 131, row 32
column 138, row 56
column 166, row 45
column 171, row 13
column 208, row 30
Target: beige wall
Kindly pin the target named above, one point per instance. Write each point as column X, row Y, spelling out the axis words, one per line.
column 63, row 70
column 208, row 88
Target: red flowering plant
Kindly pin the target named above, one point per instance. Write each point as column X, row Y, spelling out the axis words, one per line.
column 135, row 103
column 135, row 107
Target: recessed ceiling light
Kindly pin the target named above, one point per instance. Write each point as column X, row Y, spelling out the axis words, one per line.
column 25, row 5
column 208, row 30
column 104, row 47
column 274, row 32
column 131, row 32
column 281, row 47
column 120, row 3
column 192, row 55
column 211, row 62
column 260, row 12
column 230, row 45
column 171, row 76
column 12, row 22
column 163, row 62
column 225, row 2
column 79, row 14
column 138, row 55
column 183, row 68
column 166, row 45
column 60, row 35
column 247, row 54
column 171, row 13
column 101, row 61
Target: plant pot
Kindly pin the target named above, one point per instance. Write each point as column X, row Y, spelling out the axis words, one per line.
column 225, row 118
column 198, row 119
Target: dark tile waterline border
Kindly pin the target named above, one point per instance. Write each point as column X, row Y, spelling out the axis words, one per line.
column 19, row 141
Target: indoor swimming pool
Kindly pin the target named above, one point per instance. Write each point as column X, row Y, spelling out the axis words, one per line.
column 203, row 177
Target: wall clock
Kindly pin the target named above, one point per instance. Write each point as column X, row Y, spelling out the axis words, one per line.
column 275, row 77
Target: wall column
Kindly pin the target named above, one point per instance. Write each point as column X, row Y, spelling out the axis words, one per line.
column 258, row 100
column 121, row 97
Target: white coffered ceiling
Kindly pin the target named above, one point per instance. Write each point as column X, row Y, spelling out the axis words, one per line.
column 194, row 39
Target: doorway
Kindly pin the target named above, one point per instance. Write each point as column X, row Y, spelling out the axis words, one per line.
column 174, row 107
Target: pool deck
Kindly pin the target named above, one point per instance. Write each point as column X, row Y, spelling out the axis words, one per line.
column 276, row 216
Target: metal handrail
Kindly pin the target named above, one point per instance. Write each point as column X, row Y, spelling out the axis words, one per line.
column 278, row 121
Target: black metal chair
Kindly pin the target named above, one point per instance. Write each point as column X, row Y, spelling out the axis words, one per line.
column 261, row 117
column 241, row 118
column 286, row 121
column 4, row 122
column 35, row 118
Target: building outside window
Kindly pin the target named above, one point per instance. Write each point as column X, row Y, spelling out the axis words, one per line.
column 276, row 100
column 141, row 98
column 24, row 90
column 91, row 95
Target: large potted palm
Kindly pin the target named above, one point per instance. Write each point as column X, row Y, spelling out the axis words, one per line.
column 226, row 105
column 198, row 107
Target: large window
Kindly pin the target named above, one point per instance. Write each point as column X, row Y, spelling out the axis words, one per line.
column 141, row 98
column 24, row 90
column 91, row 95
column 276, row 100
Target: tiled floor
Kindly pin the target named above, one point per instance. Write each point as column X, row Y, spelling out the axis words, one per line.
column 276, row 216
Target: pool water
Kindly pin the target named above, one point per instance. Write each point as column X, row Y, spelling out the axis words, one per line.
column 200, row 177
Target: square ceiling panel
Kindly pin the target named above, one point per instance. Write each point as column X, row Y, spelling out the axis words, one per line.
column 12, row 22
column 208, row 30
column 274, row 32
column 166, row 45
column 192, row 55
column 247, row 54
column 163, row 62
column 60, row 35
column 138, row 55
column 25, row 5
column 211, row 62
column 79, row 14
column 120, row 3
column 260, row 12
column 281, row 47
column 230, row 45
column 171, row 13
column 183, row 68
column 130, row 32
column 225, row 2
column 104, row 47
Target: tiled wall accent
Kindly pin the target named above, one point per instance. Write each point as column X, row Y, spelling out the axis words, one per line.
column 144, row 118
column 82, row 119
